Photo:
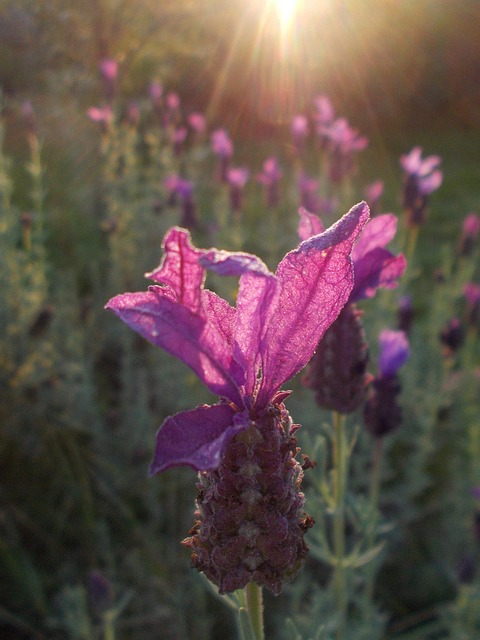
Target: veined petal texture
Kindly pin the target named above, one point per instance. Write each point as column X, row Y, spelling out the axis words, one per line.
column 316, row 280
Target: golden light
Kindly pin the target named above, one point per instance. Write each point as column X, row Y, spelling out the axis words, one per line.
column 286, row 10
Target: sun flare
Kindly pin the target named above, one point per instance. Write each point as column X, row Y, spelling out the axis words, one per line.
column 286, row 10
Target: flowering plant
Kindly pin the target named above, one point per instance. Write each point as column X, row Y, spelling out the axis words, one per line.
column 250, row 526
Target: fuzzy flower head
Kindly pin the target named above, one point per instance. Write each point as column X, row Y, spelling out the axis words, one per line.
column 243, row 354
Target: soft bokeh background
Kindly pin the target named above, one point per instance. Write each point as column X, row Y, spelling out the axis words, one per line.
column 86, row 538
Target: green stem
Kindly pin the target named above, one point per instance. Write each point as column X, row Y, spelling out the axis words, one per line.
column 411, row 242
column 374, row 493
column 340, row 461
column 255, row 609
column 108, row 626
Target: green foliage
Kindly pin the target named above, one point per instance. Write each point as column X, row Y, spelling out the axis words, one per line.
column 82, row 396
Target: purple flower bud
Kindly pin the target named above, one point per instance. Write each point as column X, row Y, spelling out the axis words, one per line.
column 109, row 72
column 471, row 292
column 373, row 193
column 237, row 178
column 299, row 130
column 324, row 113
column 102, row 115
column 470, row 231
column 100, row 592
column 405, row 314
column 337, row 372
column 421, row 178
column 197, row 122
column 222, row 146
column 394, row 351
column 452, row 336
column 270, row 177
column 155, row 91
column 382, row 414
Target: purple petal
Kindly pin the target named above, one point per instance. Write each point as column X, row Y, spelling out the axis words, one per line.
column 377, row 269
column 377, row 233
column 194, row 438
column 180, row 270
column 316, row 280
column 394, row 351
column 309, row 225
column 203, row 342
column 257, row 298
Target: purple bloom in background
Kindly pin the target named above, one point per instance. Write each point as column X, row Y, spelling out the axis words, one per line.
column 182, row 188
column 373, row 193
column 102, row 115
column 341, row 141
column 337, row 372
column 178, row 137
column 471, row 292
column 324, row 111
column 237, row 178
column 421, row 178
column 172, row 100
column 470, row 231
column 250, row 519
column 155, row 92
column 394, row 351
column 133, row 113
column 197, row 122
column 109, row 69
column 270, row 178
column 222, row 147
column 299, row 130
column 405, row 313
column 452, row 336
column 308, row 192
column 382, row 414
column 375, row 267
column 109, row 72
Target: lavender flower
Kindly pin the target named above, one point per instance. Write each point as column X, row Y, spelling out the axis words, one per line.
column 341, row 141
column 299, row 130
column 337, row 372
column 182, row 188
column 470, row 231
column 471, row 292
column 197, row 122
column 452, row 336
column 373, row 194
column 102, row 115
column 109, row 73
column 222, row 147
column 250, row 508
column 421, row 178
column 381, row 413
column 237, row 179
column 270, row 177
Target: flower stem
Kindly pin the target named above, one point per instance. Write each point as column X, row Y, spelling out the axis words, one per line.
column 250, row 612
column 255, row 609
column 374, row 493
column 340, row 461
